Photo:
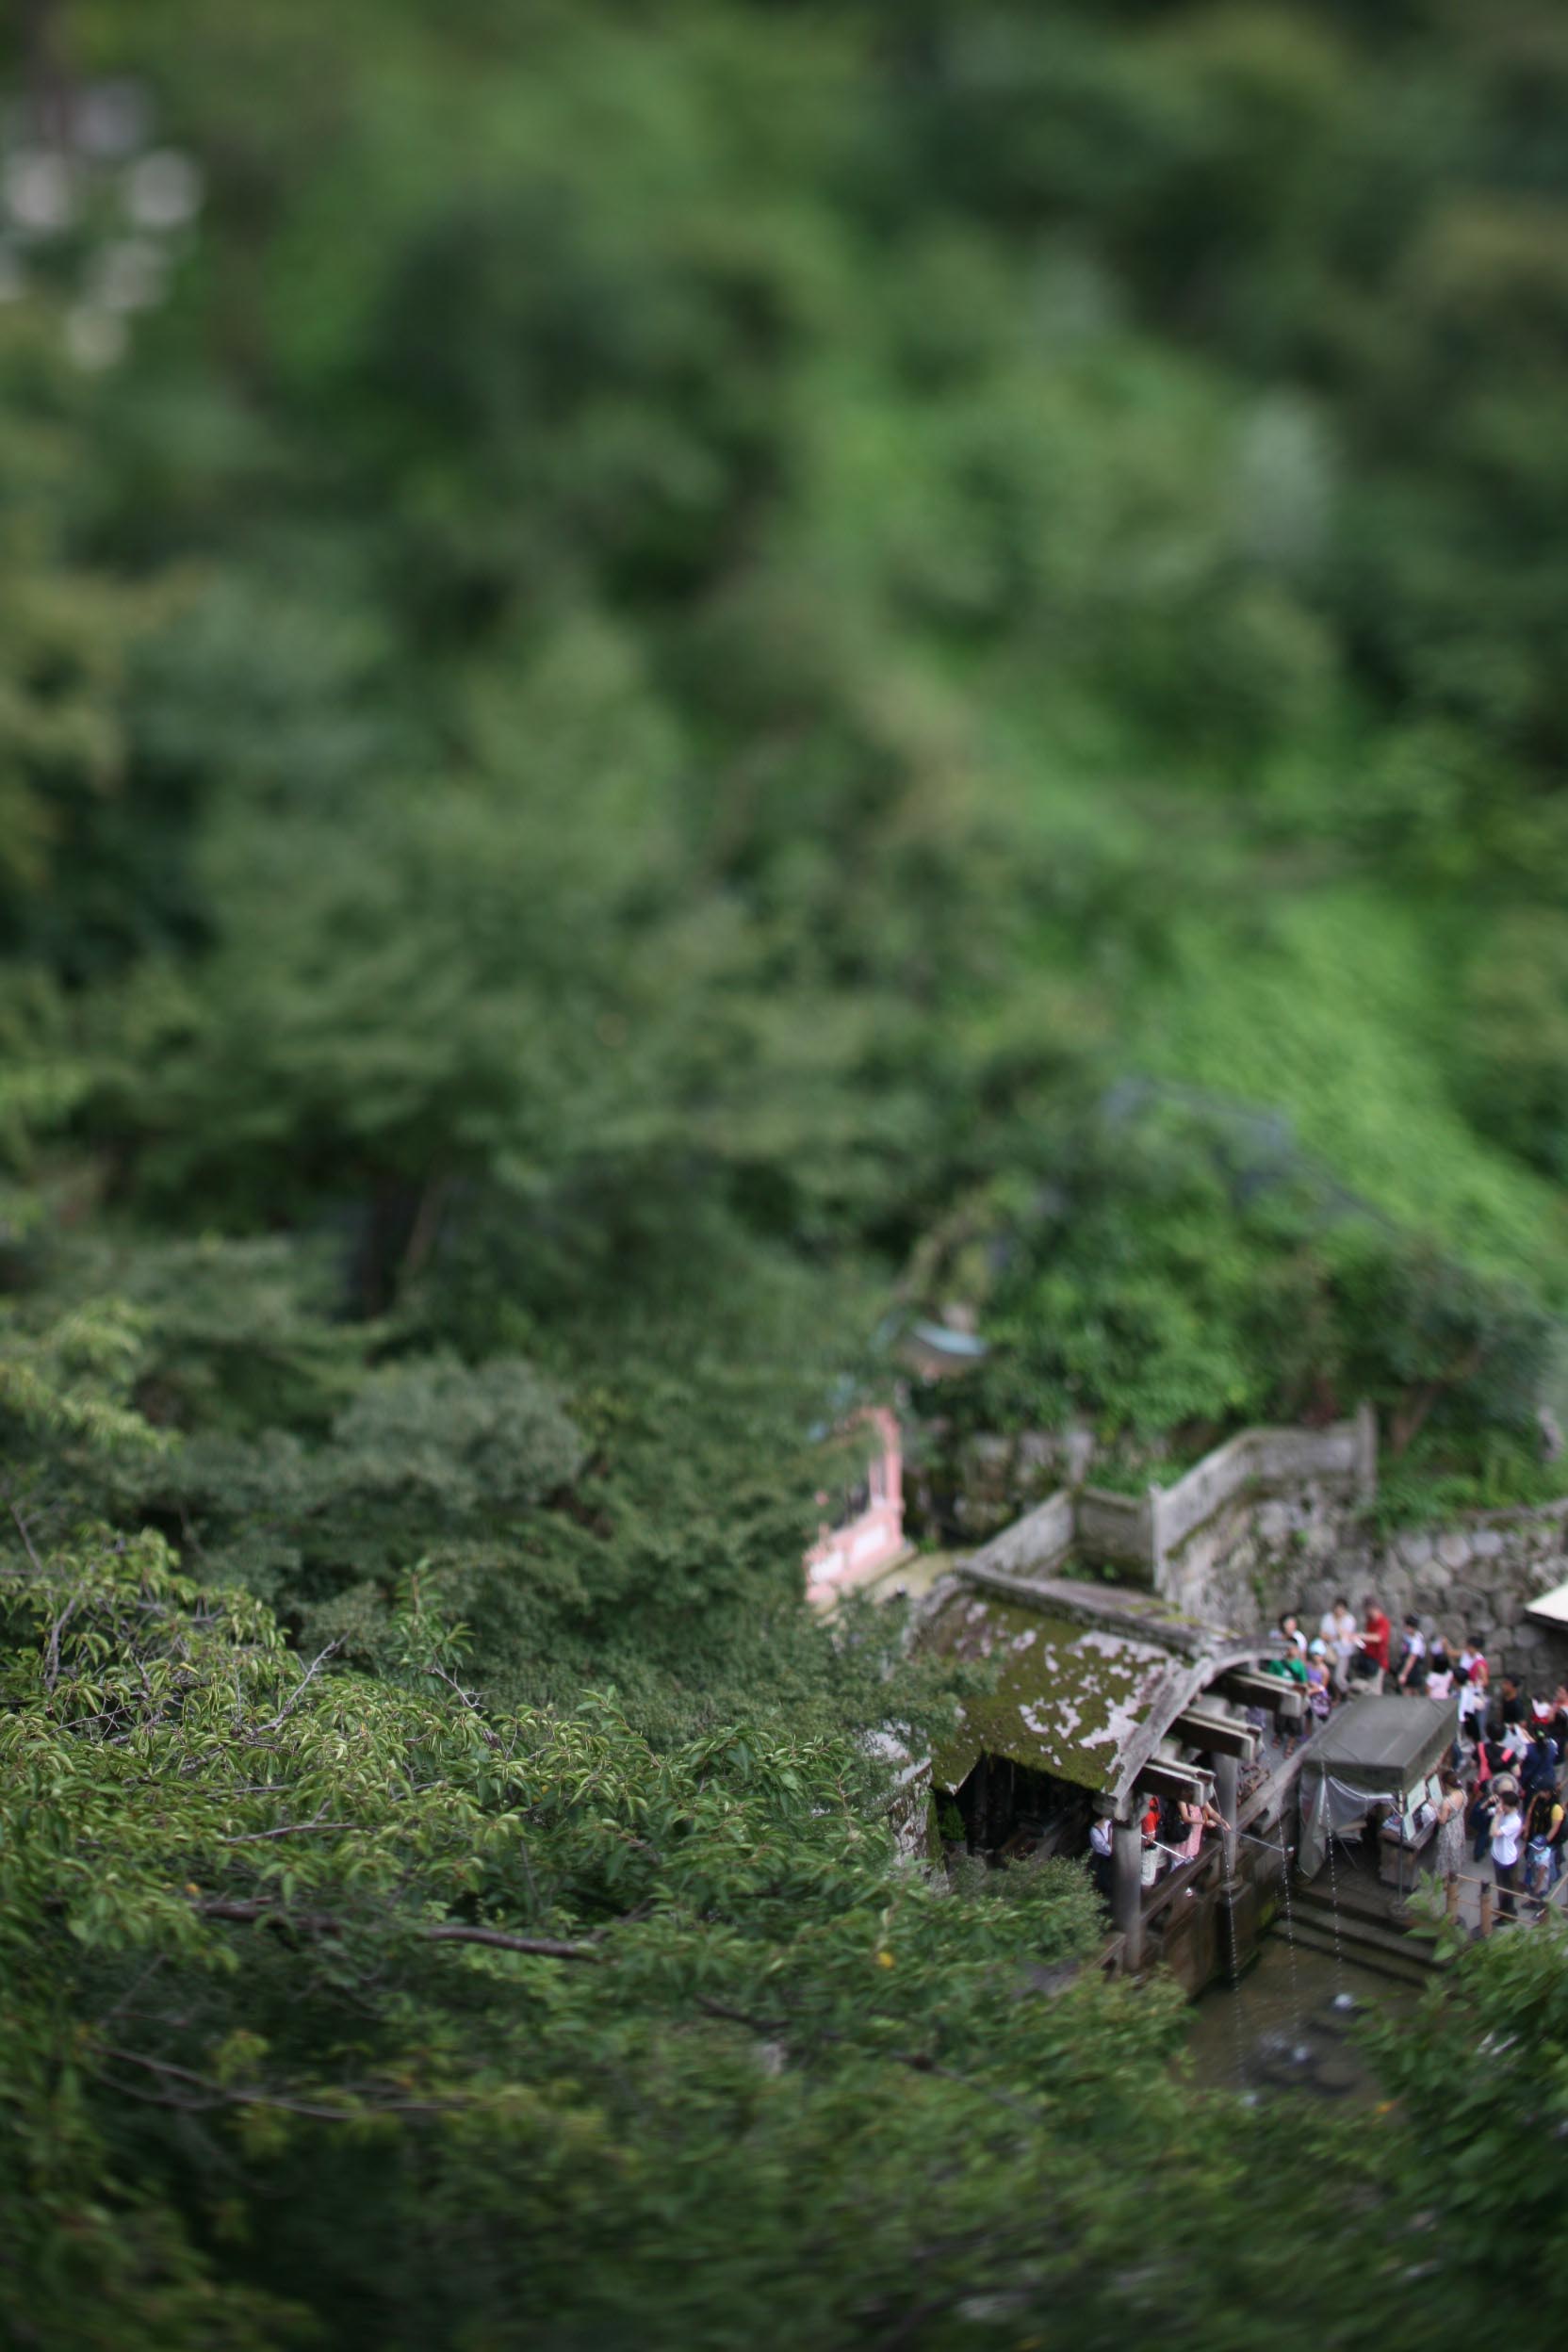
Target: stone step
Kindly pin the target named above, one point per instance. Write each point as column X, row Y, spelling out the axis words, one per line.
column 1399, row 1965
column 1382, row 1935
column 1316, row 1896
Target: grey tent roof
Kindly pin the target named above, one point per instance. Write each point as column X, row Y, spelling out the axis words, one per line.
column 1384, row 1743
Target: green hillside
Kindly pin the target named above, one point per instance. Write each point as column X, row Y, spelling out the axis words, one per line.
column 676, row 682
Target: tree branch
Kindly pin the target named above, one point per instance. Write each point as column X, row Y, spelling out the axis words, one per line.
column 435, row 1932
column 12, row 1507
column 290, row 1829
column 222, row 2095
column 52, row 1658
column 491, row 1737
column 309, row 1676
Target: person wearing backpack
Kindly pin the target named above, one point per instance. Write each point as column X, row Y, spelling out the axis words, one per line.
column 1538, row 1772
column 1537, row 1870
column 1544, row 1822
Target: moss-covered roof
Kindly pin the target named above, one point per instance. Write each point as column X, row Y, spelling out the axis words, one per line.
column 1087, row 1679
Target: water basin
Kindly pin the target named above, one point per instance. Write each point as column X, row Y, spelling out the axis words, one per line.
column 1287, row 2029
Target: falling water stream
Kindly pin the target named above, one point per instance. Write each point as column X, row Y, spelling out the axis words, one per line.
column 1287, row 2025
column 1289, row 1919
column 1294, row 2029
column 1237, row 2037
column 1331, row 1842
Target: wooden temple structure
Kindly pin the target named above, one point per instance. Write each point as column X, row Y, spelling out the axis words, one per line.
column 1102, row 1696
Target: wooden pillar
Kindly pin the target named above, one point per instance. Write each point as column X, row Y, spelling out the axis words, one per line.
column 1226, row 1798
column 1127, row 1889
column 1486, row 1908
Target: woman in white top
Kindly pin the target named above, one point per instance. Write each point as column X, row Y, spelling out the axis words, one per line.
column 1338, row 1630
column 1473, row 1673
column 1507, row 1828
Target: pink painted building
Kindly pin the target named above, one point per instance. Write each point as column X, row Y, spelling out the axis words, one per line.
column 870, row 1536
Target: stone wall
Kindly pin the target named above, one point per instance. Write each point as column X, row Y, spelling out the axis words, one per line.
column 1033, row 1545
column 1347, row 1451
column 1143, row 1534
column 1299, row 1549
column 1116, row 1529
column 1275, row 1519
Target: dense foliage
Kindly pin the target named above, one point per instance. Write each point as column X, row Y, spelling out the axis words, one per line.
column 343, row 2007
column 713, row 675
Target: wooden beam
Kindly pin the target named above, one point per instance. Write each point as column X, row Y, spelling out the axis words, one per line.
column 1218, row 1733
column 1250, row 1687
column 1175, row 1780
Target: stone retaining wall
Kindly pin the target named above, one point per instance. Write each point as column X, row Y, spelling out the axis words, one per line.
column 1346, row 1451
column 1036, row 1543
column 1143, row 1533
column 1276, row 1519
column 1300, row 1550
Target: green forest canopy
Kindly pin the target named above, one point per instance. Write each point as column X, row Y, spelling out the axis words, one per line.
column 718, row 672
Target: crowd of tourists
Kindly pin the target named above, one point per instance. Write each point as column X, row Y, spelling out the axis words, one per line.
column 1173, row 1831
column 1501, row 1811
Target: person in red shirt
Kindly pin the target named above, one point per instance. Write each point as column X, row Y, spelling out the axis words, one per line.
column 1374, row 1634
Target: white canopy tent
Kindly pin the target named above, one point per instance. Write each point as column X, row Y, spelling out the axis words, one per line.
column 1551, row 1609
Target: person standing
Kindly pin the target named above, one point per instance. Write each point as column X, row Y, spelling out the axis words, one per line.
column 1559, row 1718
column 1100, row 1855
column 1197, row 1816
column 1449, row 1850
column 1539, row 1769
column 1513, row 1742
column 1474, row 1674
column 1507, row 1829
column 1338, row 1630
column 1153, row 1854
column 1547, row 1819
column 1374, row 1634
column 1412, row 1660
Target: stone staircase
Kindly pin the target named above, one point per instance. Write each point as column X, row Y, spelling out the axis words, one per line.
column 1367, row 1935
